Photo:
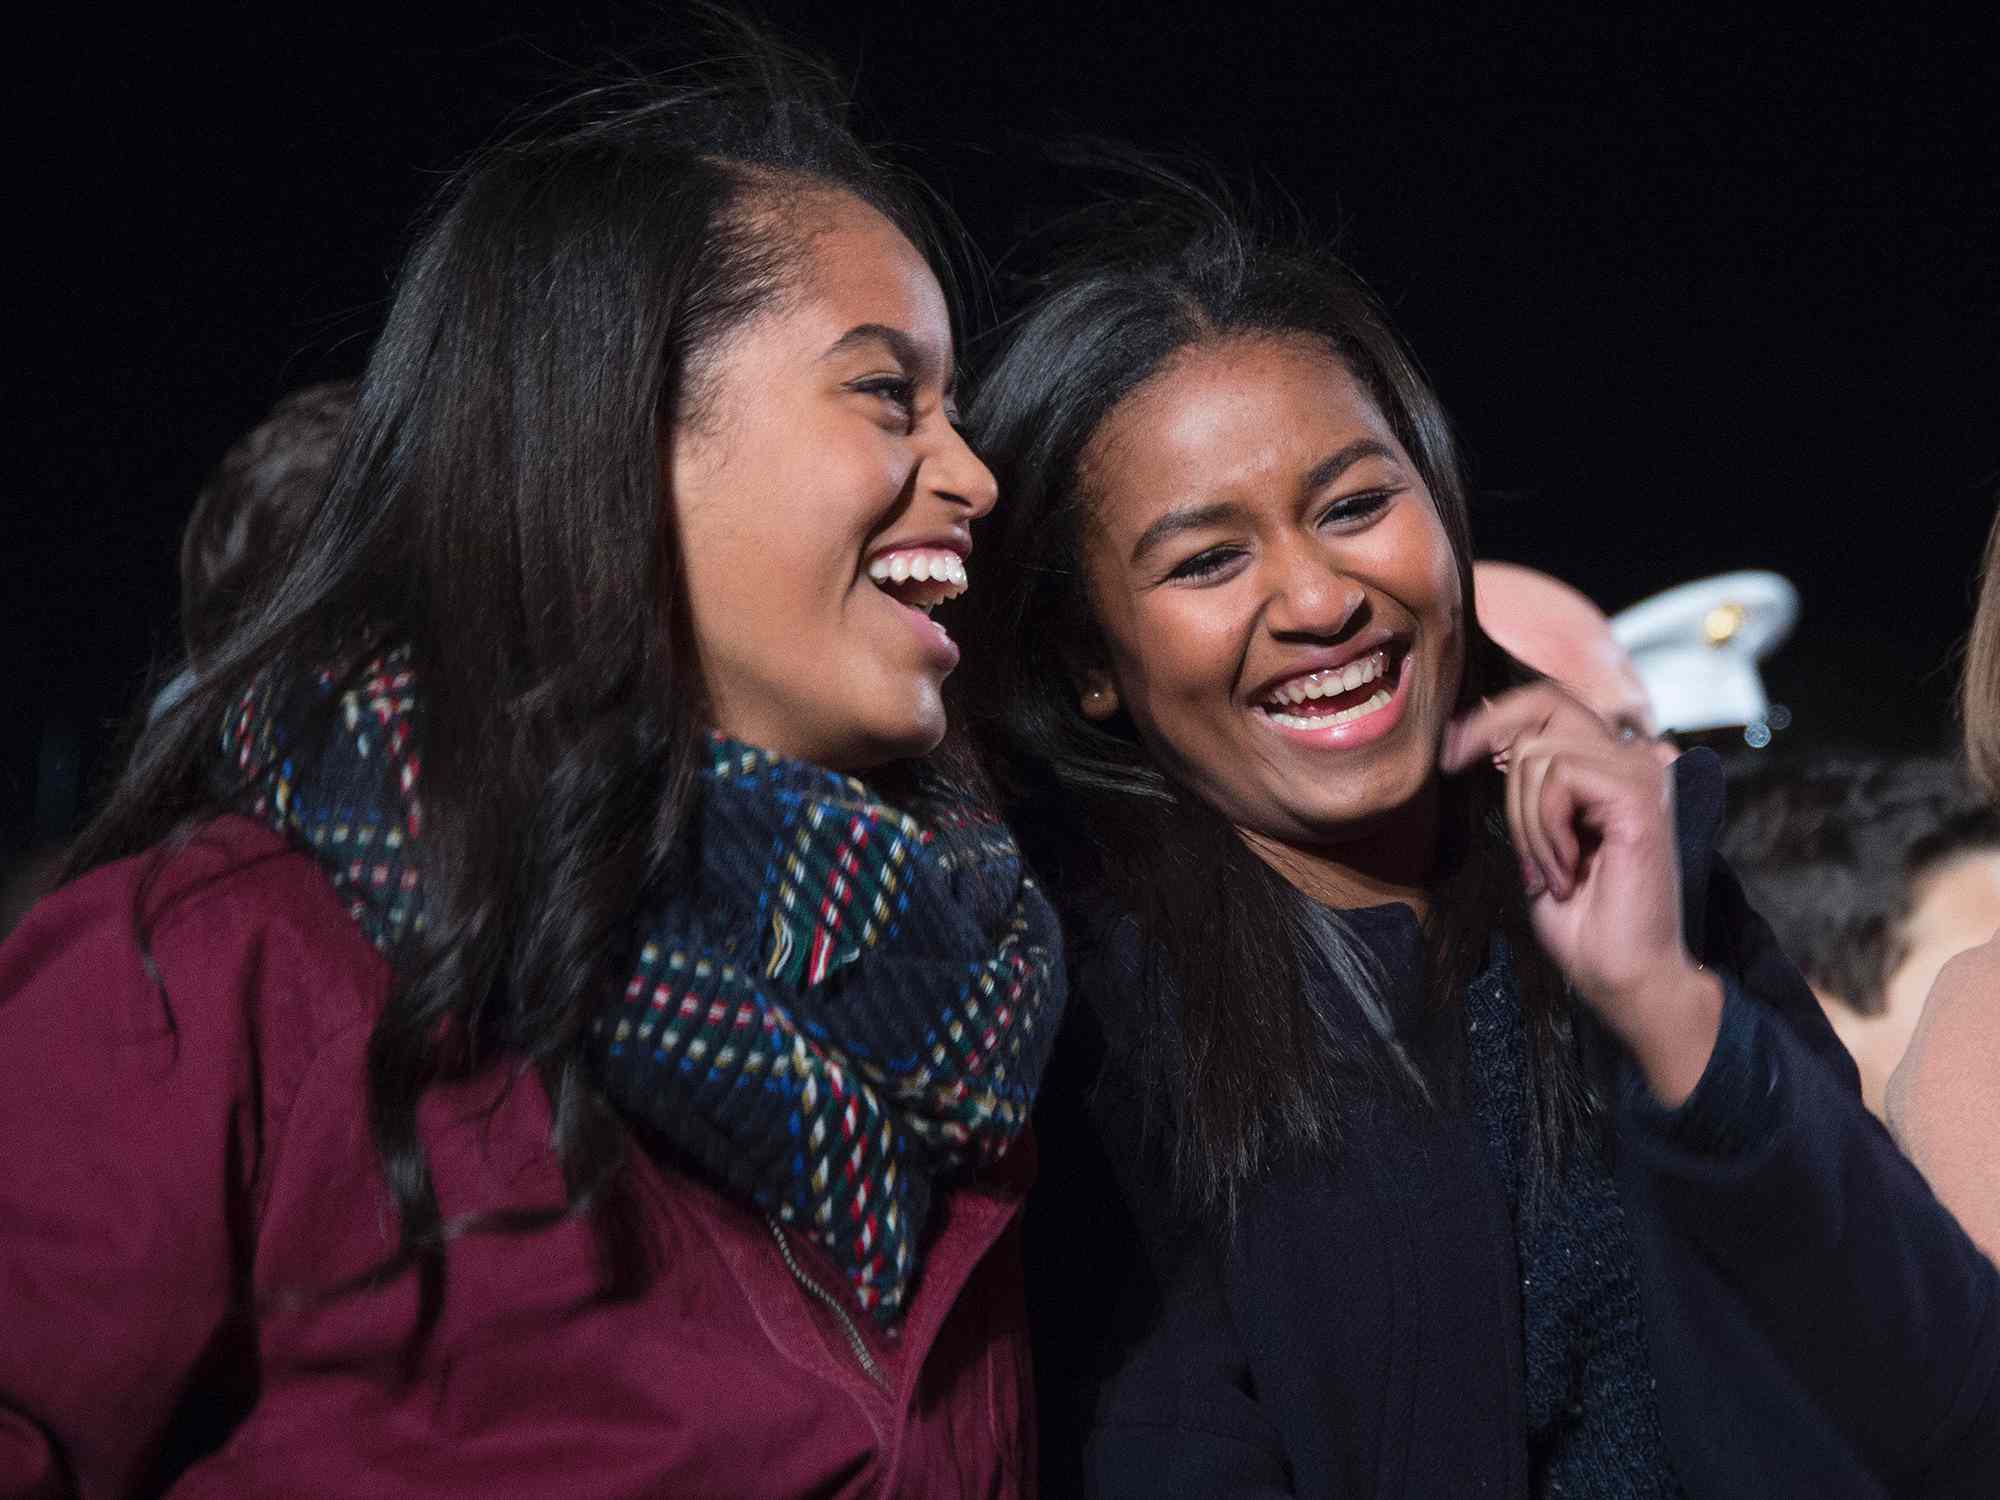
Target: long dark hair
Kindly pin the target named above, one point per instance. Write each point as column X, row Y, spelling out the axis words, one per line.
column 498, row 506
column 1232, row 1047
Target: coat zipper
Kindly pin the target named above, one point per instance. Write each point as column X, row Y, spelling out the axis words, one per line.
column 868, row 1366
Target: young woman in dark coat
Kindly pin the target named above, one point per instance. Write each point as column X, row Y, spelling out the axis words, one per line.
column 1434, row 1117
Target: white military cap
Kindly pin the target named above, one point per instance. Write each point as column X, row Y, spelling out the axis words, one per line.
column 1697, row 646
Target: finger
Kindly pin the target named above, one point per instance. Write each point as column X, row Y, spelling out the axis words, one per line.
column 1616, row 797
column 1533, row 878
column 1543, row 841
column 1555, row 813
column 1493, row 726
column 1499, row 724
column 1551, row 842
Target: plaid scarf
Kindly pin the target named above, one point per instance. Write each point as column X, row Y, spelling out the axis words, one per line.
column 839, row 1008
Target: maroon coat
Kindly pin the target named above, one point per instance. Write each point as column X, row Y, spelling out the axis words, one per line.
column 168, row 1196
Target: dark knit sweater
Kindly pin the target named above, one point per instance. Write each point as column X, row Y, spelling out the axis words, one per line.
column 1816, row 1325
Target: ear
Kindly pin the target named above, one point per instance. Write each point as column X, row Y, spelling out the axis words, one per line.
column 1097, row 695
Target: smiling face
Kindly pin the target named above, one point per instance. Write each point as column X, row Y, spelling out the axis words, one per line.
column 823, row 501
column 1278, row 597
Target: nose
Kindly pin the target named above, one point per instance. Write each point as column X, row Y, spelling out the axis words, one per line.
column 1309, row 593
column 960, row 476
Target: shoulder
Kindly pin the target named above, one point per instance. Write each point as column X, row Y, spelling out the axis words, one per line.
column 230, row 922
column 1944, row 1097
column 159, row 1020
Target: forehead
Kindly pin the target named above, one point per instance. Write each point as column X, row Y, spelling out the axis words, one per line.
column 1233, row 417
column 860, row 268
column 1562, row 635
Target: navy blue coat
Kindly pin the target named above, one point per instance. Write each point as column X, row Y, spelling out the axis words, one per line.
column 1817, row 1323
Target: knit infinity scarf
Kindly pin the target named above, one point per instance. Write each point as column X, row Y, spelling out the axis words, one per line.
column 837, row 1010
column 1593, row 1419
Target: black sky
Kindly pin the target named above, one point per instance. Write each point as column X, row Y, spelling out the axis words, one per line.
column 1702, row 293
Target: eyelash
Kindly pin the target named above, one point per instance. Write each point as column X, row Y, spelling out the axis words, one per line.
column 1212, row 561
column 901, row 392
column 898, row 390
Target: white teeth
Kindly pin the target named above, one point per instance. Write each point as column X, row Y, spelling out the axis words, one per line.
column 1378, row 700
column 944, row 571
column 1325, row 684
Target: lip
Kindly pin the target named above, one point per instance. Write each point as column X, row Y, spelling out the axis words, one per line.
column 940, row 650
column 1326, row 659
column 1355, row 732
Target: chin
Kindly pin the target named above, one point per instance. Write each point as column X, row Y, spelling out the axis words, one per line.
column 1326, row 821
column 884, row 744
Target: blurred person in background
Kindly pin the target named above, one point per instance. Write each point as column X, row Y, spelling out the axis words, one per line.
column 1697, row 647
column 250, row 513
column 1873, row 871
column 246, row 518
column 1546, row 624
column 254, row 506
column 1944, row 1099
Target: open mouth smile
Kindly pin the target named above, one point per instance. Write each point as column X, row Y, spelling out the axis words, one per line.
column 1341, row 706
column 1337, row 695
column 919, row 579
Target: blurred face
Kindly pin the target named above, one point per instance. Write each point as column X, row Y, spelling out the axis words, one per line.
column 1551, row 627
column 1278, row 597
column 823, row 500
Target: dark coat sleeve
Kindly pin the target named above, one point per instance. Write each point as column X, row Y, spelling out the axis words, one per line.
column 1811, row 1269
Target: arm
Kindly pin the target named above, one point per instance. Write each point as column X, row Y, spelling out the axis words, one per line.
column 1865, row 1291
column 123, row 1206
column 1860, row 1284
column 1943, row 1100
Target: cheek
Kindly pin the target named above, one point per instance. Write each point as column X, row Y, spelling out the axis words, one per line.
column 787, row 515
column 839, row 486
column 1175, row 645
column 1432, row 565
column 1435, row 595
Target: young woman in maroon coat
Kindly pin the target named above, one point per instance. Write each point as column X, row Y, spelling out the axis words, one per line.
column 491, row 1043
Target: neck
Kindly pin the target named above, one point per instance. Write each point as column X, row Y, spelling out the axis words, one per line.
column 1390, row 862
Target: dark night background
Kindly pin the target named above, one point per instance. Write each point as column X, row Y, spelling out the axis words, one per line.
column 1702, row 293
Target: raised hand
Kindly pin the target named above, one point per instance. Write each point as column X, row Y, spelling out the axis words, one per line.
column 1592, row 820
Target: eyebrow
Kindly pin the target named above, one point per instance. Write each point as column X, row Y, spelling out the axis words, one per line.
column 1187, row 518
column 1341, row 460
column 1199, row 517
column 906, row 351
